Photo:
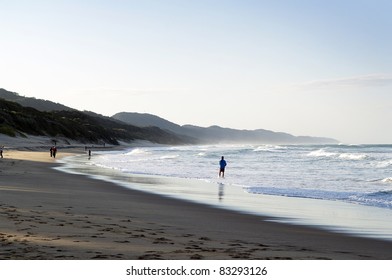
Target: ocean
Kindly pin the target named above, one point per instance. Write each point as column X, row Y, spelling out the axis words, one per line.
column 345, row 188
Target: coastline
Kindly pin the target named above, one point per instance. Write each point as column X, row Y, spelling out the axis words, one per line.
column 332, row 215
column 49, row 214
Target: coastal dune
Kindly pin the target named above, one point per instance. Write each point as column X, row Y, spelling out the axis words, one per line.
column 49, row 214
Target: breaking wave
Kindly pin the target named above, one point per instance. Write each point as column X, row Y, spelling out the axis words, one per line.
column 346, row 156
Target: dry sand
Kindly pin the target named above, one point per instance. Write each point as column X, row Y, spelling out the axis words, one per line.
column 48, row 214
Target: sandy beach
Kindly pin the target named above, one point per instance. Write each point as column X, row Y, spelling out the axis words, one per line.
column 48, row 214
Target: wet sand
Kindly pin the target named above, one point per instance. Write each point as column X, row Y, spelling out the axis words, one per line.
column 48, row 214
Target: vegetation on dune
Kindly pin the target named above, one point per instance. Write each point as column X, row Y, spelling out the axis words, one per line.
column 20, row 116
column 17, row 120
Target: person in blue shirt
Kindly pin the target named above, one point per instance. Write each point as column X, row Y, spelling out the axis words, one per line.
column 222, row 165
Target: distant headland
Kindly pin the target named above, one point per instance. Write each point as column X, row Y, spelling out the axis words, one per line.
column 24, row 116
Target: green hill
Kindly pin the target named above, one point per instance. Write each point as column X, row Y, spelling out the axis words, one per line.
column 39, row 104
column 17, row 120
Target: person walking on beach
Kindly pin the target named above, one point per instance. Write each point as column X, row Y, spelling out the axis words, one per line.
column 53, row 151
column 1, row 151
column 222, row 166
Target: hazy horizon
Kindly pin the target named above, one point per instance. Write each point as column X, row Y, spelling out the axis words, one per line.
column 303, row 67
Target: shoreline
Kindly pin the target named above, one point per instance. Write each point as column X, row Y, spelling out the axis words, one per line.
column 331, row 215
column 49, row 214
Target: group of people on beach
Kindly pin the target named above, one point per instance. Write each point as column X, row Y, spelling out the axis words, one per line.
column 53, row 152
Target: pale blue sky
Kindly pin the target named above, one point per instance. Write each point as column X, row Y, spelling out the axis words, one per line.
column 321, row 68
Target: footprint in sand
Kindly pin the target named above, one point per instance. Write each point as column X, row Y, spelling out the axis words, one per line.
column 205, row 239
column 122, row 241
column 196, row 257
column 162, row 240
column 152, row 256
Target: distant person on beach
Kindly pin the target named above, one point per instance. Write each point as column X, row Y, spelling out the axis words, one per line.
column 222, row 166
column 1, row 151
column 53, row 152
